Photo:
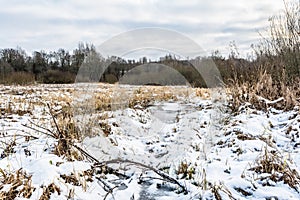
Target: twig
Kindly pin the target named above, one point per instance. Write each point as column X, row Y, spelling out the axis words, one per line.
column 97, row 162
column 37, row 130
column 160, row 173
column 19, row 135
column 39, row 126
column 86, row 154
column 107, row 188
column 54, row 120
column 150, row 177
column 110, row 192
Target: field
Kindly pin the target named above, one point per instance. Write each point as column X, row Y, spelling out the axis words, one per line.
column 101, row 141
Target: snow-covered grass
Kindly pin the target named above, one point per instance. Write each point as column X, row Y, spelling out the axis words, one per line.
column 148, row 143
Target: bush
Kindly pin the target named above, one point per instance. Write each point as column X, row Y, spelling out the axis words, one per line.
column 19, row 78
column 110, row 78
column 56, row 76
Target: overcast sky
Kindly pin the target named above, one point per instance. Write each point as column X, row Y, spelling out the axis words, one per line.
column 52, row 24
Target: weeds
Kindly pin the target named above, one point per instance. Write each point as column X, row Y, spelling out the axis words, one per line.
column 185, row 170
column 278, row 169
column 218, row 189
column 9, row 149
column 263, row 93
column 147, row 95
column 79, row 179
column 19, row 185
column 65, row 132
column 48, row 190
column 272, row 78
column 106, row 128
column 203, row 93
column 10, row 109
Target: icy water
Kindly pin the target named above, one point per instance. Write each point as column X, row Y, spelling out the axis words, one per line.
column 168, row 113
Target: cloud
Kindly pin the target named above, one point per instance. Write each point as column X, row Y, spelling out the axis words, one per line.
column 52, row 24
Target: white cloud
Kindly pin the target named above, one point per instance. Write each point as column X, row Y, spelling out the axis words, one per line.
column 51, row 24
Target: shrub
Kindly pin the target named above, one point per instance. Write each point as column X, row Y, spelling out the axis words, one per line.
column 19, row 78
column 56, row 76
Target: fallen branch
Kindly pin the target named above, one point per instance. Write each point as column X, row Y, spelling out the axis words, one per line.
column 19, row 135
column 160, row 173
column 107, row 188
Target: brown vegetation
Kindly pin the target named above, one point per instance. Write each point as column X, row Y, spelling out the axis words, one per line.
column 272, row 78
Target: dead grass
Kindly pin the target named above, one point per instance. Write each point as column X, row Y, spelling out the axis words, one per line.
column 103, row 101
column 12, row 108
column 139, row 97
column 9, row 148
column 79, row 178
column 263, row 93
column 185, row 170
column 147, row 95
column 106, row 128
column 18, row 184
column 48, row 190
column 203, row 93
column 66, row 133
column 272, row 163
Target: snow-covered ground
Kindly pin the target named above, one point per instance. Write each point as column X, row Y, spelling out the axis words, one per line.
column 188, row 147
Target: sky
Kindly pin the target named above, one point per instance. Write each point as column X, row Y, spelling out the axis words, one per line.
column 53, row 24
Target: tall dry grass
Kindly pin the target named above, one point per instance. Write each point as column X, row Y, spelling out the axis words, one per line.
column 264, row 93
column 272, row 78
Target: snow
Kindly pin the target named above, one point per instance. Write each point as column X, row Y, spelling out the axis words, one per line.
column 217, row 147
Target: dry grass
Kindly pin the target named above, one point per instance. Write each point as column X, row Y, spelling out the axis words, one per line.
column 48, row 190
column 147, row 95
column 139, row 96
column 277, row 167
column 185, row 170
column 274, row 72
column 264, row 93
column 66, row 133
column 13, row 108
column 18, row 184
column 79, row 178
column 203, row 93
column 9, row 148
column 103, row 101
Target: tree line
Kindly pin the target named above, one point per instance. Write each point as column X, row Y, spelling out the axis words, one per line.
column 62, row 66
column 58, row 66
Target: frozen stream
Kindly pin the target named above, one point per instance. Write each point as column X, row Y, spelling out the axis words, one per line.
column 158, row 136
